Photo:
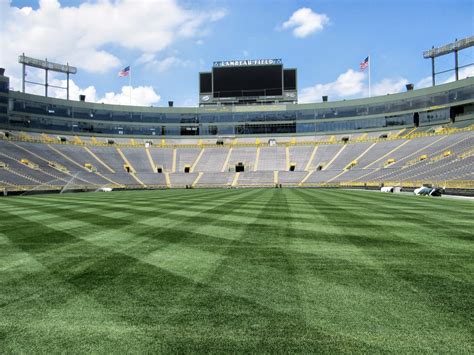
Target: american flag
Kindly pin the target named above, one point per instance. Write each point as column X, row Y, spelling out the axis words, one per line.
column 124, row 72
column 364, row 64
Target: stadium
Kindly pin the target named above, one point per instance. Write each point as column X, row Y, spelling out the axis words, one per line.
column 249, row 223
column 417, row 137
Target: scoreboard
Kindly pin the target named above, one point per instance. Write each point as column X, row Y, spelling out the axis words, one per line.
column 247, row 82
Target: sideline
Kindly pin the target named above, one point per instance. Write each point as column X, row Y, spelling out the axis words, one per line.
column 457, row 197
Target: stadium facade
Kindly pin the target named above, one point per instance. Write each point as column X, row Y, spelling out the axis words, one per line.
column 440, row 104
column 417, row 137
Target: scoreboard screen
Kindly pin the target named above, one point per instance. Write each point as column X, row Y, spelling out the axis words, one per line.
column 205, row 82
column 289, row 76
column 258, row 80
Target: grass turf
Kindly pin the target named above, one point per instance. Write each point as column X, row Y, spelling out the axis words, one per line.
column 255, row 270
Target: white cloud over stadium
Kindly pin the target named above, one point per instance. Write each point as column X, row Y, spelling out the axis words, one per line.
column 354, row 84
column 141, row 95
column 79, row 34
column 305, row 21
column 463, row 73
column 351, row 84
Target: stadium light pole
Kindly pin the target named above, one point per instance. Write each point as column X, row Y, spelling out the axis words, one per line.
column 23, row 75
column 67, row 82
column 46, row 80
column 456, row 64
column 47, row 66
column 453, row 47
column 433, row 74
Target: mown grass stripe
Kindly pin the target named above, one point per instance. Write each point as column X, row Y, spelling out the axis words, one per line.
column 377, row 256
column 254, row 270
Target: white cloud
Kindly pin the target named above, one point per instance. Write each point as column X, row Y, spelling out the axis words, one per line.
column 305, row 21
column 164, row 64
column 466, row 72
column 74, row 91
column 423, row 83
column 351, row 84
column 80, row 34
column 347, row 84
column 389, row 86
column 141, row 96
column 54, row 90
column 145, row 58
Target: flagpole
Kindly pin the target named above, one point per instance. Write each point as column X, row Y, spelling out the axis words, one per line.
column 370, row 68
column 130, row 84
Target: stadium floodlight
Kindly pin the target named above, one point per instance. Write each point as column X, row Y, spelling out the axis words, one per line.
column 453, row 47
column 449, row 48
column 46, row 66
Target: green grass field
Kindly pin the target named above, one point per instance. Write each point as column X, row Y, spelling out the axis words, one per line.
column 254, row 270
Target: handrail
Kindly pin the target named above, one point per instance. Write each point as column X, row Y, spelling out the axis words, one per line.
column 23, row 137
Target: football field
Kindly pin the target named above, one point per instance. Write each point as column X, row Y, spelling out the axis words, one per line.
column 250, row 270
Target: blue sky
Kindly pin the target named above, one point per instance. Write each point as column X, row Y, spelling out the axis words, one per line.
column 333, row 37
